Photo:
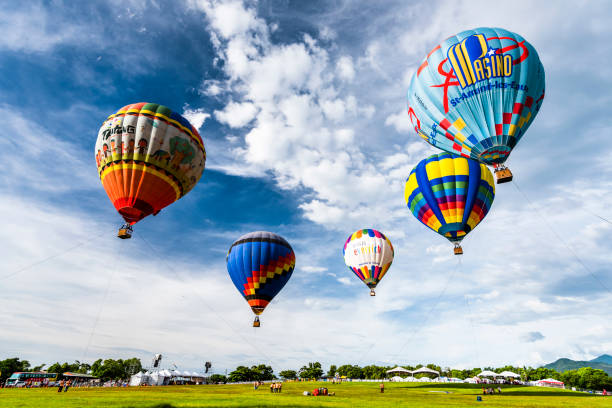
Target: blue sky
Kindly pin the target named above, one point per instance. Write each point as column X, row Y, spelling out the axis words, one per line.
column 302, row 109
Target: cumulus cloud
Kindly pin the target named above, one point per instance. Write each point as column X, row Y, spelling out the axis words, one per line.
column 299, row 122
column 196, row 117
column 236, row 115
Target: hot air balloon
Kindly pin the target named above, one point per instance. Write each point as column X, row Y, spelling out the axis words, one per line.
column 369, row 254
column 476, row 94
column 260, row 263
column 450, row 194
column 148, row 157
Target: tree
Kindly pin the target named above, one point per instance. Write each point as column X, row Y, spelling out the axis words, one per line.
column 217, row 379
column 350, row 371
column 263, row 372
column 374, row 372
column 132, row 366
column 12, row 365
column 288, row 374
column 242, row 374
column 312, row 370
column 332, row 370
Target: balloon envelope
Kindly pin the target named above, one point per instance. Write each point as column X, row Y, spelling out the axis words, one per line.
column 450, row 194
column 369, row 254
column 260, row 263
column 476, row 94
column 148, row 157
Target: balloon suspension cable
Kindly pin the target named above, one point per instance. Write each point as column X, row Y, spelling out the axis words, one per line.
column 201, row 298
column 598, row 216
column 560, row 239
column 102, row 304
column 433, row 307
column 56, row 255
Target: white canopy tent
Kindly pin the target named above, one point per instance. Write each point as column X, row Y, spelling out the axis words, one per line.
column 487, row 373
column 425, row 370
column 165, row 377
column 399, row 370
column 508, row 374
column 397, row 378
column 550, row 382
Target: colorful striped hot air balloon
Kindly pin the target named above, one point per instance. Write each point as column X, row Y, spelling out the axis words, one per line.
column 450, row 194
column 148, row 157
column 369, row 254
column 260, row 264
column 476, row 94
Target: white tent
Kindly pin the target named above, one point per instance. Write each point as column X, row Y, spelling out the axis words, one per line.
column 425, row 370
column 399, row 370
column 397, row 378
column 140, row 379
column 550, row 382
column 472, row 380
column 508, row 374
column 487, row 373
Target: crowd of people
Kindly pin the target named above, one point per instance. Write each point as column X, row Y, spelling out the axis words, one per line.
column 490, row 390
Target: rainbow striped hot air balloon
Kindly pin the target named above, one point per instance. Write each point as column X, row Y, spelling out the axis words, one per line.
column 476, row 94
column 148, row 157
column 450, row 194
column 369, row 254
column 260, row 264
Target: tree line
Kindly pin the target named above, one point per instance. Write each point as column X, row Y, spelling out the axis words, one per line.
column 106, row 370
column 586, row 377
column 109, row 369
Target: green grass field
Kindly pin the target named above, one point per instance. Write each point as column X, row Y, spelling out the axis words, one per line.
column 347, row 395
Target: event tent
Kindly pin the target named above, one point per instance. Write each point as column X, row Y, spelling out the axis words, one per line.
column 508, row 374
column 165, row 377
column 425, row 370
column 487, row 373
column 399, row 370
column 550, row 382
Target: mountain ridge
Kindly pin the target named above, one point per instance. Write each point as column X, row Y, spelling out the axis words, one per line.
column 603, row 362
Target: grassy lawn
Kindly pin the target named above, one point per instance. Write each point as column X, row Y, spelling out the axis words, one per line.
column 347, row 395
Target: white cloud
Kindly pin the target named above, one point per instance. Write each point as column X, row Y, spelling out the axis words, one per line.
column 345, row 68
column 32, row 157
column 313, row 269
column 32, row 29
column 196, row 117
column 400, row 122
column 236, row 115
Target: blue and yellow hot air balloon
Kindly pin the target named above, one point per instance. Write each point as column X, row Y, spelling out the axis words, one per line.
column 450, row 194
column 476, row 94
column 260, row 263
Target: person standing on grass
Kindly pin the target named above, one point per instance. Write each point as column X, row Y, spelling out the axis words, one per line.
column 280, row 387
column 60, row 385
column 271, row 387
column 67, row 385
column 382, row 387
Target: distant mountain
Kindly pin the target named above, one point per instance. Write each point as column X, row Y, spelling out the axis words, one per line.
column 603, row 362
column 604, row 358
